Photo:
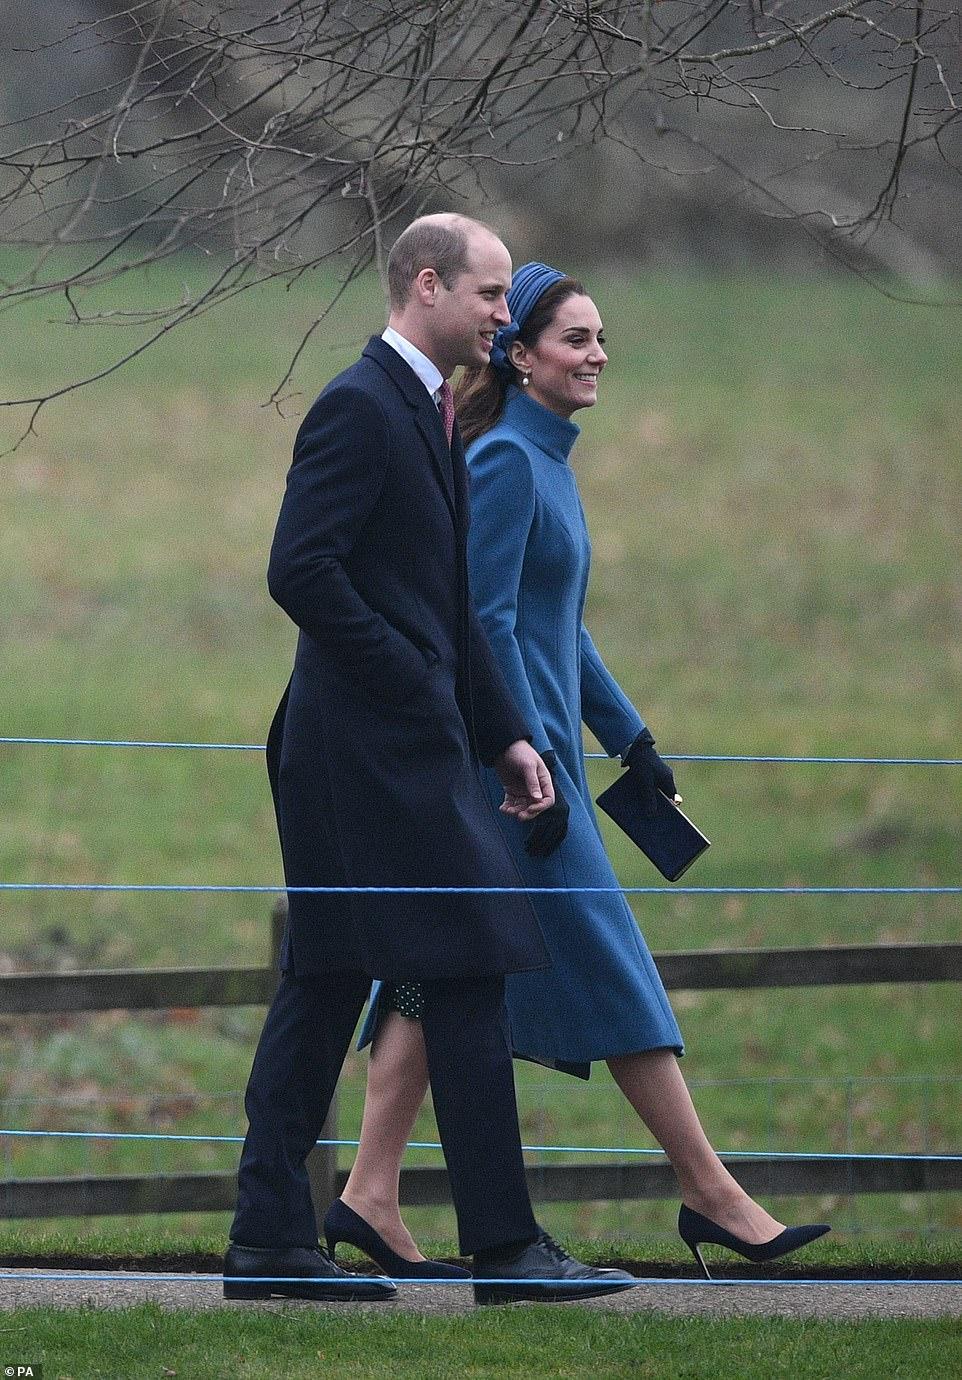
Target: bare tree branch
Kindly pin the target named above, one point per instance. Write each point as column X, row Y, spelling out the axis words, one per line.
column 284, row 134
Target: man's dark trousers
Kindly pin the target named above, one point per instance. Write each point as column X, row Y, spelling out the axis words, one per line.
column 296, row 1067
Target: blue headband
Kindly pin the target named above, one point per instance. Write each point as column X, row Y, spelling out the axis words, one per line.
column 529, row 283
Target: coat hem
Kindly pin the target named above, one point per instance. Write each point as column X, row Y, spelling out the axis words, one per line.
column 580, row 1066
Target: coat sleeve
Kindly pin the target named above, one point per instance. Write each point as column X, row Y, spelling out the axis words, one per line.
column 340, row 458
column 497, row 720
column 502, row 511
column 605, row 707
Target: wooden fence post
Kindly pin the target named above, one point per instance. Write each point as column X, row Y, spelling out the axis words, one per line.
column 278, row 922
column 322, row 1160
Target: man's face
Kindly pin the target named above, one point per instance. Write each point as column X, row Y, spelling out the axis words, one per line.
column 467, row 314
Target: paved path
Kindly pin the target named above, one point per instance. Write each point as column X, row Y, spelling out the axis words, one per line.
column 72, row 1288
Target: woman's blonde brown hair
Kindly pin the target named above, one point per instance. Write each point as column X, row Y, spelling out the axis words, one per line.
column 480, row 395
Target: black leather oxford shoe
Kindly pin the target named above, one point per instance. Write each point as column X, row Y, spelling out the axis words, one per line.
column 296, row 1272
column 545, row 1272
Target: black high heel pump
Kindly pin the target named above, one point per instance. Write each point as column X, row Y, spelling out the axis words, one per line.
column 343, row 1224
column 696, row 1230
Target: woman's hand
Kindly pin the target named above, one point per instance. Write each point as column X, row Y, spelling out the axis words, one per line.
column 549, row 829
column 649, row 772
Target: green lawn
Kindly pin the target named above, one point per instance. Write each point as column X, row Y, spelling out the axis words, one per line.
column 774, row 489
column 534, row 1343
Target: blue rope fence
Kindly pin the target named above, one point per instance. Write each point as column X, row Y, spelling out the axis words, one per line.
column 468, row 890
column 493, row 890
column 951, row 890
column 871, row 1156
column 117, row 1277
column 592, row 756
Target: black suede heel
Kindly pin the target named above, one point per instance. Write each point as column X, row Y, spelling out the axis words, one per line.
column 696, row 1230
column 343, row 1224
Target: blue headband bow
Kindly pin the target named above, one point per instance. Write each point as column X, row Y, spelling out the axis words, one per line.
column 528, row 284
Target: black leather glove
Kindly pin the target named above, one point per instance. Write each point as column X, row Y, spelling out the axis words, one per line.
column 649, row 772
column 549, row 829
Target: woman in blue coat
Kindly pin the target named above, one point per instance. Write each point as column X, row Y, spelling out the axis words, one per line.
column 602, row 997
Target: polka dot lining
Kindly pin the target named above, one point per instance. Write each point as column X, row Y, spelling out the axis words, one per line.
column 407, row 998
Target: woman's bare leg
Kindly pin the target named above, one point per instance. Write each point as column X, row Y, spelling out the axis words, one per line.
column 653, row 1084
column 397, row 1079
column 651, row 1081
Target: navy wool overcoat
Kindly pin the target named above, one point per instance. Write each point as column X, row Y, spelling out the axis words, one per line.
column 395, row 699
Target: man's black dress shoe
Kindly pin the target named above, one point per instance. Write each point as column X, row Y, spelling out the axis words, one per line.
column 342, row 1223
column 296, row 1272
column 543, row 1271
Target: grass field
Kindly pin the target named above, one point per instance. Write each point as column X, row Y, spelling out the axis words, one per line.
column 536, row 1343
column 774, row 489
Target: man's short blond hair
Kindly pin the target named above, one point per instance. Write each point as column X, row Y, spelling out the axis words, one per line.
column 440, row 242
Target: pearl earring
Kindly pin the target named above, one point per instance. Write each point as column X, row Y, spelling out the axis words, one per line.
column 525, row 380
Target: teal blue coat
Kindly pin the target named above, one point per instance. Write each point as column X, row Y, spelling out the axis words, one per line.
column 528, row 562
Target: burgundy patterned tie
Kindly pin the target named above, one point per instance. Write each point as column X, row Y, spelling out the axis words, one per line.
column 446, row 409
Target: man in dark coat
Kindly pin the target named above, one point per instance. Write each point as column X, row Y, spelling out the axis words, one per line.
column 373, row 759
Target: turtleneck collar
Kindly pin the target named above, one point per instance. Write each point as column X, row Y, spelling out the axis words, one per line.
column 553, row 434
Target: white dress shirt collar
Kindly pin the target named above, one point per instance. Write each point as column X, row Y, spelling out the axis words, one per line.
column 428, row 373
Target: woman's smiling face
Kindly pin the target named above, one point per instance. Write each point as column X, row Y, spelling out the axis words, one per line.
column 564, row 365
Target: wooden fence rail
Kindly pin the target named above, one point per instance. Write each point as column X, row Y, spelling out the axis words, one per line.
column 37, row 993
column 426, row 1186
column 724, row 969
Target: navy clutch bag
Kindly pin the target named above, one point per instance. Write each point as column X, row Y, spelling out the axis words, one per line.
column 668, row 837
